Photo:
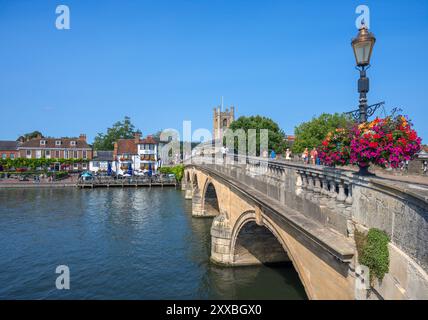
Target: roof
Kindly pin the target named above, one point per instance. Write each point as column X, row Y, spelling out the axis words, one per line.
column 126, row 146
column 148, row 140
column 290, row 138
column 8, row 145
column 50, row 143
column 103, row 156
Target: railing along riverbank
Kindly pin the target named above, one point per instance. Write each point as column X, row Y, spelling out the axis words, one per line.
column 135, row 181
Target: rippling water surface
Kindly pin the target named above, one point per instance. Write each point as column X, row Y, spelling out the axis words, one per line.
column 120, row 244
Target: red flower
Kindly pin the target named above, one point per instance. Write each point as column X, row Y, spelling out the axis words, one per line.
column 377, row 136
column 325, row 143
column 373, row 145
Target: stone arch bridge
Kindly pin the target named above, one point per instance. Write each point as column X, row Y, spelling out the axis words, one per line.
column 272, row 211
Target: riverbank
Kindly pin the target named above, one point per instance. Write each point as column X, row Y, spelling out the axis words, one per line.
column 36, row 185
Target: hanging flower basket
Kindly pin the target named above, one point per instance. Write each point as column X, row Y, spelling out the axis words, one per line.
column 385, row 142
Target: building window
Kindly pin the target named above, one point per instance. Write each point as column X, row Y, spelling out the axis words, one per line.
column 65, row 154
column 84, row 166
column 42, row 142
column 75, row 156
column 4, row 156
column 85, row 154
column 28, row 153
column 75, row 166
column 38, row 154
column 48, row 154
column 12, row 156
column 73, row 143
column 96, row 164
column 58, row 142
column 57, row 154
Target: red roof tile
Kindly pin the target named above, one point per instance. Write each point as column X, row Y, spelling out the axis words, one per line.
column 126, row 146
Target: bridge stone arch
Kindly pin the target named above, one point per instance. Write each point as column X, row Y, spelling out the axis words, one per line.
column 255, row 240
column 210, row 199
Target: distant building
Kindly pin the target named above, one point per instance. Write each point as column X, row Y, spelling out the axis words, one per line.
column 58, row 148
column 101, row 161
column 222, row 121
column 147, row 154
column 9, row 149
column 125, row 153
column 289, row 139
column 137, row 154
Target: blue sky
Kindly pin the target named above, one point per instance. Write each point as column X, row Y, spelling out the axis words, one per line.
column 162, row 62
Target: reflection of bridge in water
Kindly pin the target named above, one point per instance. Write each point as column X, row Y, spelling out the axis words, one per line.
column 273, row 211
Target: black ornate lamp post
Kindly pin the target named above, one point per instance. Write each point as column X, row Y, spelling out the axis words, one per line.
column 363, row 46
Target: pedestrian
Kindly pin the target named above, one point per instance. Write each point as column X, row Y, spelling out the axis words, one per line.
column 287, row 154
column 305, row 155
column 272, row 154
column 314, row 155
column 223, row 152
column 425, row 167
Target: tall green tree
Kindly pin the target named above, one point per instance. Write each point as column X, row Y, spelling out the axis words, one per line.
column 275, row 134
column 310, row 134
column 120, row 130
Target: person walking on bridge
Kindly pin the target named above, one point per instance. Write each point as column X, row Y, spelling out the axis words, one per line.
column 305, row 156
column 314, row 155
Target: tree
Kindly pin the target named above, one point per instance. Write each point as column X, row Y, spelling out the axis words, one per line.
column 275, row 134
column 29, row 136
column 120, row 130
column 311, row 134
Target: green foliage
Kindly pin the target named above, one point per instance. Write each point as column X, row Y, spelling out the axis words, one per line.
column 276, row 135
column 373, row 252
column 178, row 171
column 310, row 134
column 58, row 175
column 13, row 164
column 120, row 130
column 30, row 135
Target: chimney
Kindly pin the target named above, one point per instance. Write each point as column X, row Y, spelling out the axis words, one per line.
column 82, row 137
column 137, row 137
column 115, row 150
column 39, row 136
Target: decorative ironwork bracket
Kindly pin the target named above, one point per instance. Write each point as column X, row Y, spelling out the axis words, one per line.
column 370, row 110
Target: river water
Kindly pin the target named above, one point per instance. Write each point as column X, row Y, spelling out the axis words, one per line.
column 120, row 244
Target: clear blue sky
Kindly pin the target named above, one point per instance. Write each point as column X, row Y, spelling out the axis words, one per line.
column 161, row 62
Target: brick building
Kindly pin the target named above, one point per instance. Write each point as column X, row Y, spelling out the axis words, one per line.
column 58, row 148
column 9, row 149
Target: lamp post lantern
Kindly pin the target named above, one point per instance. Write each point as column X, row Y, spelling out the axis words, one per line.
column 363, row 47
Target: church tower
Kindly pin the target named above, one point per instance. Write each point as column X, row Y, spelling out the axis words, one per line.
column 222, row 121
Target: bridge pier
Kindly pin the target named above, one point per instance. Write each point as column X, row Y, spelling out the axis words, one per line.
column 197, row 208
column 188, row 192
column 221, row 239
